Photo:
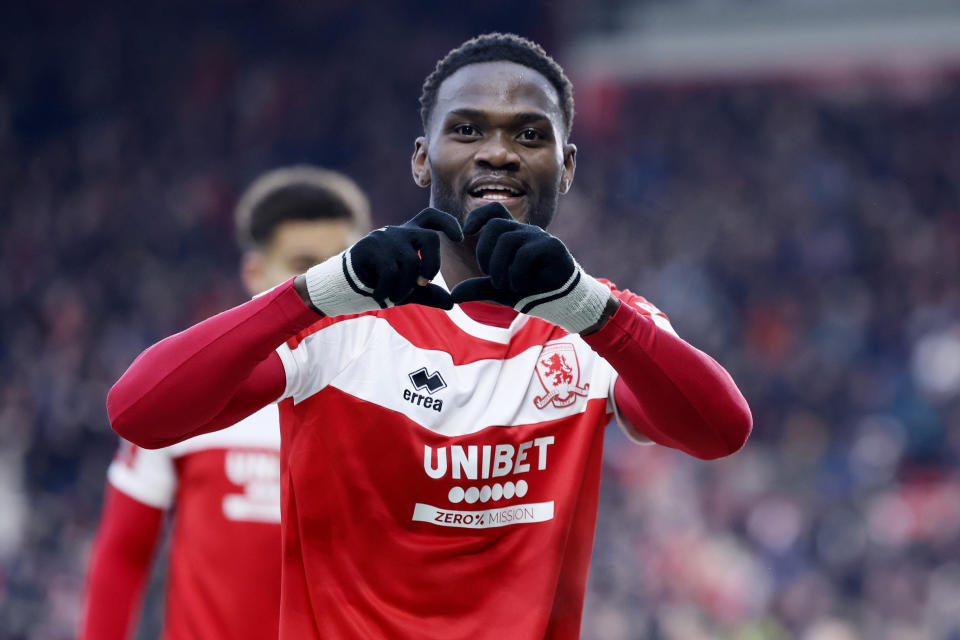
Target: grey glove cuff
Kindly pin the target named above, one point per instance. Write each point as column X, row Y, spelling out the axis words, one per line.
column 576, row 305
column 335, row 289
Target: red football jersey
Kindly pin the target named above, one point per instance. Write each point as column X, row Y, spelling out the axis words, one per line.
column 223, row 577
column 440, row 476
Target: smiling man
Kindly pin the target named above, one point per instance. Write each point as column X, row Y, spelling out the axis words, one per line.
column 441, row 446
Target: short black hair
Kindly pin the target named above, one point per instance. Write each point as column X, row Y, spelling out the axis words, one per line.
column 496, row 47
column 300, row 192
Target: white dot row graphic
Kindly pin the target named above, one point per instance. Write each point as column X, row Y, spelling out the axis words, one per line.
column 485, row 493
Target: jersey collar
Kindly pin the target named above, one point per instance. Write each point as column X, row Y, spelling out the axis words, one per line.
column 479, row 329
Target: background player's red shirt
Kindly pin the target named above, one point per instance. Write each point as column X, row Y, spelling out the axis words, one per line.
column 223, row 577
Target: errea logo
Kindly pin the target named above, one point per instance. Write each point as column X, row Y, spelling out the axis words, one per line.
column 432, row 382
column 423, row 380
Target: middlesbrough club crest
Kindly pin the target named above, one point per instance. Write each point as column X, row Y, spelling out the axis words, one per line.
column 559, row 373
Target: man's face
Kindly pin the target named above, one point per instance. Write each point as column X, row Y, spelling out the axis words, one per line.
column 296, row 246
column 496, row 135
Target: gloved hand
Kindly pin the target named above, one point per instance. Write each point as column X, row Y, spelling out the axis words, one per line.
column 381, row 270
column 530, row 270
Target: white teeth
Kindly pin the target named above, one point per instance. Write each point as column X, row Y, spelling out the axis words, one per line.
column 495, row 187
column 495, row 196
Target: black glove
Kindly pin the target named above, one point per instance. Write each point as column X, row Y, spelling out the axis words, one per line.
column 530, row 270
column 382, row 268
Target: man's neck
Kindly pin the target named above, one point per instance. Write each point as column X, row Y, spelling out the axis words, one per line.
column 458, row 261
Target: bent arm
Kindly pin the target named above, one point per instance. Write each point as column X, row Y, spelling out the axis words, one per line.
column 672, row 393
column 211, row 375
column 119, row 566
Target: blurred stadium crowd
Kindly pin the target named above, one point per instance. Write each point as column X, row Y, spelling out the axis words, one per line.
column 808, row 238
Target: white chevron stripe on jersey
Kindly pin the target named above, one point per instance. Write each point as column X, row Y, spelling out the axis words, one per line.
column 259, row 430
column 479, row 394
column 149, row 475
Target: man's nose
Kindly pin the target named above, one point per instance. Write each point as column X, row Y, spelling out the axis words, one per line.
column 497, row 152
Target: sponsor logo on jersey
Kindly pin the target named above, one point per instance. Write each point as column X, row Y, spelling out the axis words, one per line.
column 422, row 380
column 486, row 519
column 559, row 373
column 476, row 462
column 258, row 473
column 486, row 462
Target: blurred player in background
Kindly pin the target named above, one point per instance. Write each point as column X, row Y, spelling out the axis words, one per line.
column 223, row 578
column 442, row 440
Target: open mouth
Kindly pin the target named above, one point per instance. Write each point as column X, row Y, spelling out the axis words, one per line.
column 495, row 192
column 507, row 192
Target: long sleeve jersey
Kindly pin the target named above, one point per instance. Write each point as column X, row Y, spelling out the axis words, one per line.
column 439, row 473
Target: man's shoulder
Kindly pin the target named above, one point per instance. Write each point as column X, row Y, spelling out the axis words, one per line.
column 641, row 304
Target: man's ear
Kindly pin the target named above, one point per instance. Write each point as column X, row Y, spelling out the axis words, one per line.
column 251, row 272
column 569, row 166
column 418, row 163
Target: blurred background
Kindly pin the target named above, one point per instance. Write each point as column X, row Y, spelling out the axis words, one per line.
column 781, row 178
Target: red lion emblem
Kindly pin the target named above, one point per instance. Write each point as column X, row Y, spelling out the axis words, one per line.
column 557, row 367
column 559, row 373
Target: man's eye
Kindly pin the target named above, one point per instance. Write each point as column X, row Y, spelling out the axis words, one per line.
column 466, row 130
column 531, row 135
